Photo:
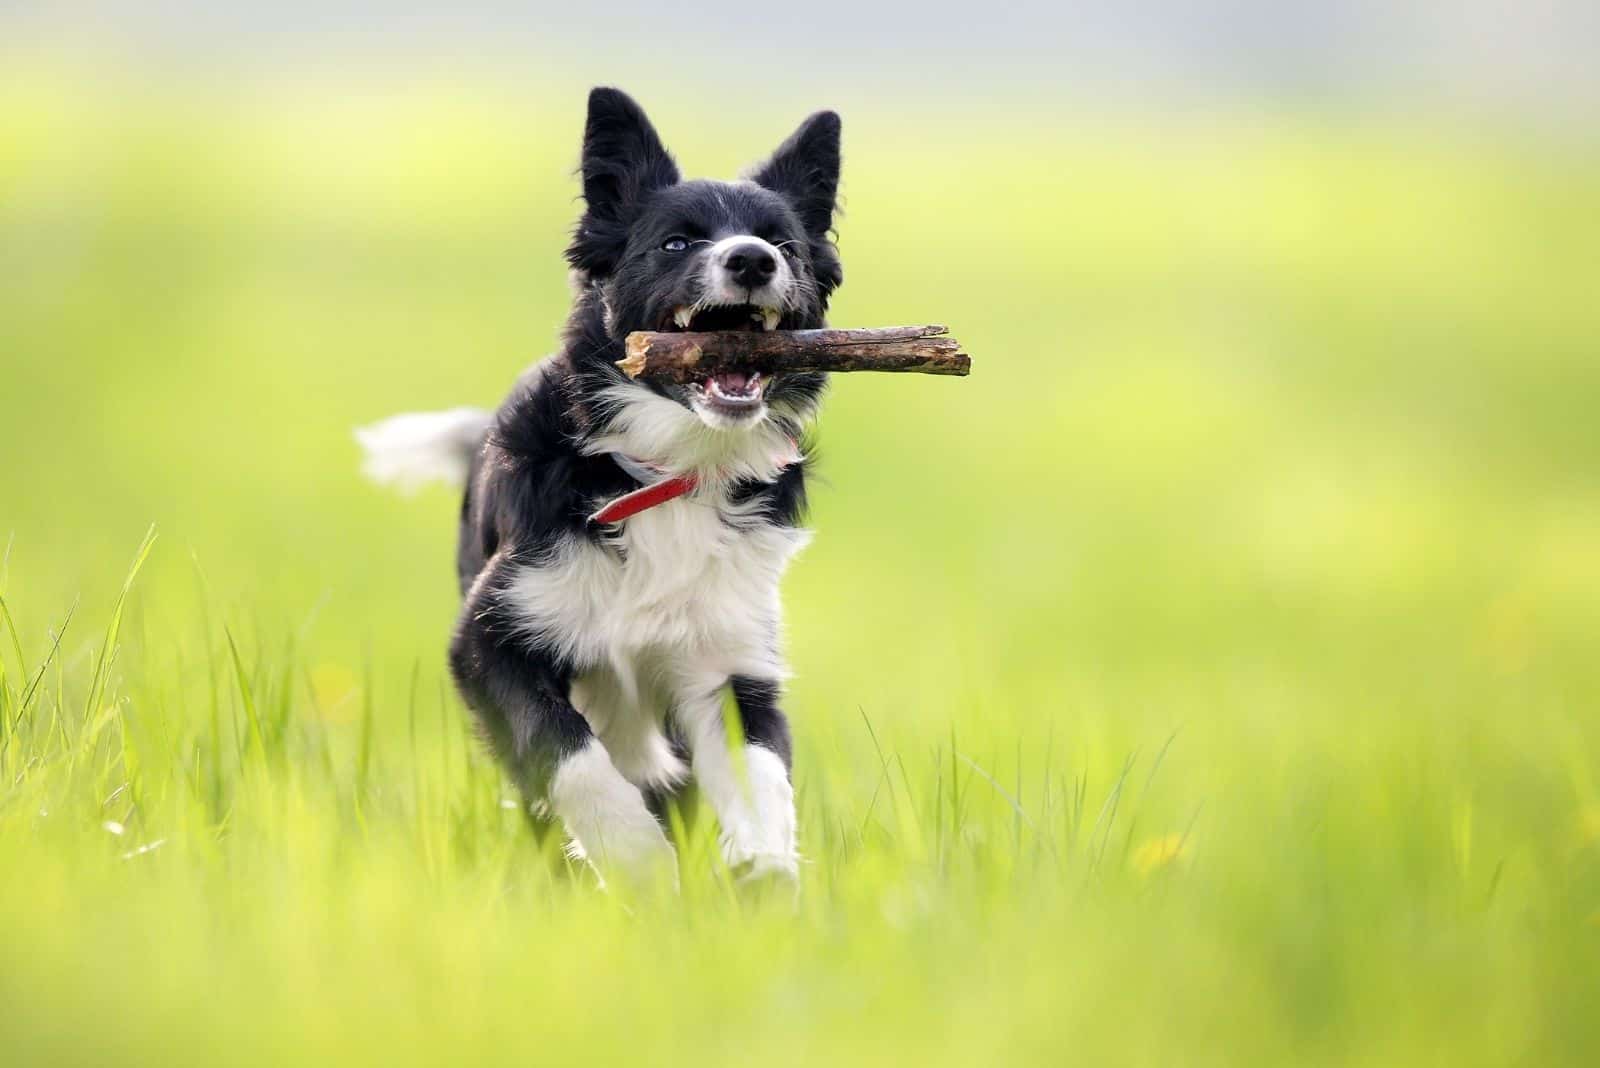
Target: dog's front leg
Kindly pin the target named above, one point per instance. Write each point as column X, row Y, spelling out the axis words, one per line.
column 748, row 788
column 607, row 818
column 521, row 695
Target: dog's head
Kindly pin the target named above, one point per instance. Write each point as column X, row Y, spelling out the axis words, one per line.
column 661, row 253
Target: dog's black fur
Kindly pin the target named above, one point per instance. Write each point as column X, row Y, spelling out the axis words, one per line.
column 534, row 483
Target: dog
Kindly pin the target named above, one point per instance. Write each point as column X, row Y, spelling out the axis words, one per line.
column 622, row 541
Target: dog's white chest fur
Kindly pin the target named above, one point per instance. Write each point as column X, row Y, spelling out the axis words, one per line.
column 659, row 618
column 677, row 585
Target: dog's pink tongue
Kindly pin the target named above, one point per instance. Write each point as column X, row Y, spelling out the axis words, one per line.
column 733, row 381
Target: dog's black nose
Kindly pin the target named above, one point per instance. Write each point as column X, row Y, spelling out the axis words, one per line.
column 750, row 265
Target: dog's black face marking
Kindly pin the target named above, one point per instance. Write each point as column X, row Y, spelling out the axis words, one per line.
column 659, row 253
column 657, row 275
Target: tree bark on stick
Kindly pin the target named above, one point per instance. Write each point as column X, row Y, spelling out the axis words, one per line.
column 688, row 356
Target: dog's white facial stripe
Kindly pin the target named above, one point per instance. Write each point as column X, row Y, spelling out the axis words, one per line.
column 719, row 288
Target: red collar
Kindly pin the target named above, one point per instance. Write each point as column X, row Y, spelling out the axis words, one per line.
column 645, row 497
column 659, row 488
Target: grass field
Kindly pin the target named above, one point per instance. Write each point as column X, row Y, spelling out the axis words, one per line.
column 1210, row 679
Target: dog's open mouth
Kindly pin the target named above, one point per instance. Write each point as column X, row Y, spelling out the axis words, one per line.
column 717, row 317
column 735, row 394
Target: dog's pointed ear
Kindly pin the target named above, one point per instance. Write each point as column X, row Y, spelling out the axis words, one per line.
column 624, row 162
column 806, row 170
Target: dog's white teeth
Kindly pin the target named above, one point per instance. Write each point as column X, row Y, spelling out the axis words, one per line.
column 769, row 318
column 683, row 317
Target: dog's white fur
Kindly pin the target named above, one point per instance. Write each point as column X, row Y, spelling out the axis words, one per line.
column 722, row 289
column 676, row 581
column 677, row 602
column 654, row 428
column 683, row 597
column 748, row 789
column 606, row 817
column 411, row 450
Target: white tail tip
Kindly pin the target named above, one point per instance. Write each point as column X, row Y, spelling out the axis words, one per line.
column 409, row 451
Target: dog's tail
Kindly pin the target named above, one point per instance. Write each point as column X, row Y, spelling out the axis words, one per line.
column 411, row 450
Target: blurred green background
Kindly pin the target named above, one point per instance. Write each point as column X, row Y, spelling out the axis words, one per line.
column 1210, row 678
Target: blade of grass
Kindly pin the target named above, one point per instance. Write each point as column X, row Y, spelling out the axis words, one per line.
column 246, row 696
column 16, row 642
column 108, row 644
column 55, row 647
column 1144, row 791
column 1108, row 817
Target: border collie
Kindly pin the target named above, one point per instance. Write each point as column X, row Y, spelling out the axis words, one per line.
column 622, row 541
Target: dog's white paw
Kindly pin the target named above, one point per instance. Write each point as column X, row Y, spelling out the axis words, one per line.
column 608, row 823
column 758, row 836
column 764, row 867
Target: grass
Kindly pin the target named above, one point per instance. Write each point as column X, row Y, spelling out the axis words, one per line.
column 1208, row 679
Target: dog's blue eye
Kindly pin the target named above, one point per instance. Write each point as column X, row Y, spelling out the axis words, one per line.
column 674, row 244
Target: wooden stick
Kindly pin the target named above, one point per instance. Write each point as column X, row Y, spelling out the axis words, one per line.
column 685, row 357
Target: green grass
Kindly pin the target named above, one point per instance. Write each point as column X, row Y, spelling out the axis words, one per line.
column 1210, row 678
